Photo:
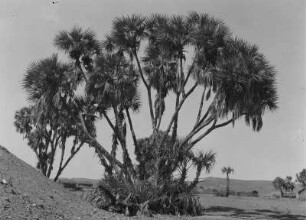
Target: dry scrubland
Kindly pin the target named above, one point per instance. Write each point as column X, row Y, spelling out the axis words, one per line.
column 29, row 195
column 254, row 207
column 263, row 187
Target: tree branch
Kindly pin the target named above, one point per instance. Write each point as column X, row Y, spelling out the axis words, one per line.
column 131, row 128
column 111, row 124
column 182, row 77
column 201, row 106
column 53, row 150
column 176, row 112
column 174, row 132
column 62, row 159
column 189, row 73
column 140, row 71
column 224, row 124
column 93, row 142
column 191, row 90
column 126, row 157
column 78, row 64
column 212, row 127
column 195, row 130
column 61, row 168
column 203, row 118
column 148, row 87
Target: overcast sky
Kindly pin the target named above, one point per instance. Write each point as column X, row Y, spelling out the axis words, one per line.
column 278, row 27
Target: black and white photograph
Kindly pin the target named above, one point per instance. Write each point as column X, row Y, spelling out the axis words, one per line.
column 152, row 109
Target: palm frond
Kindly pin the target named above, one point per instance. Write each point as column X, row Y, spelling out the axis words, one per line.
column 128, row 31
column 78, row 44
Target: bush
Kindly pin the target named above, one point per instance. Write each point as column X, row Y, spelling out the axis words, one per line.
column 221, row 193
column 249, row 194
column 114, row 195
column 255, row 193
column 289, row 195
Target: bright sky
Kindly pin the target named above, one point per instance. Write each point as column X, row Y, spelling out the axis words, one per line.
column 278, row 27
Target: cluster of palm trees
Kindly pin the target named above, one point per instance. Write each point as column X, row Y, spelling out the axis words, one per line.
column 165, row 54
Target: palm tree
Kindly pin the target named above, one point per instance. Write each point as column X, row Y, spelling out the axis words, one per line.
column 126, row 37
column 113, row 86
column 45, row 84
column 227, row 170
column 202, row 161
column 168, row 38
column 236, row 81
column 50, row 121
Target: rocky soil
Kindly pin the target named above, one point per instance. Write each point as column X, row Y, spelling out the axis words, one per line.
column 27, row 194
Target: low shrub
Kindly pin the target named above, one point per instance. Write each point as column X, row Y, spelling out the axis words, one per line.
column 289, row 195
column 255, row 193
column 222, row 193
column 249, row 194
column 113, row 195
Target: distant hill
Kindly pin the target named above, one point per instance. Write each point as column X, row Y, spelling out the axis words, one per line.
column 79, row 181
column 263, row 187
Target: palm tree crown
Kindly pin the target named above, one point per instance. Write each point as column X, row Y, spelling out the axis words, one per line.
column 227, row 170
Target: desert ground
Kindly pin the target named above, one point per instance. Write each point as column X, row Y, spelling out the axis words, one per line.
column 254, row 207
column 27, row 194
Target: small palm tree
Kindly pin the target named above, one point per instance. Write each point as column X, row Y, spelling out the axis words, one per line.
column 202, row 161
column 227, row 170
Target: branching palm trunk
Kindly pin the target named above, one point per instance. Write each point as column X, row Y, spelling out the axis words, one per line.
column 175, row 124
column 63, row 164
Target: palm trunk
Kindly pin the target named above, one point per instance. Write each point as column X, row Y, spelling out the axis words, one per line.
column 50, row 168
column 196, row 179
column 175, row 124
column 227, row 185
column 94, row 143
column 131, row 127
column 78, row 64
column 184, row 172
column 148, row 90
column 282, row 192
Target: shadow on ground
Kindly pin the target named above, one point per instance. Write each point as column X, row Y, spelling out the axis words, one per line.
column 257, row 213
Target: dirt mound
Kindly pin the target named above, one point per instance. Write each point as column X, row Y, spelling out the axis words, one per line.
column 26, row 194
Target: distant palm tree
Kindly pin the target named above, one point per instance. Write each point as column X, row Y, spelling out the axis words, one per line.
column 227, row 170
